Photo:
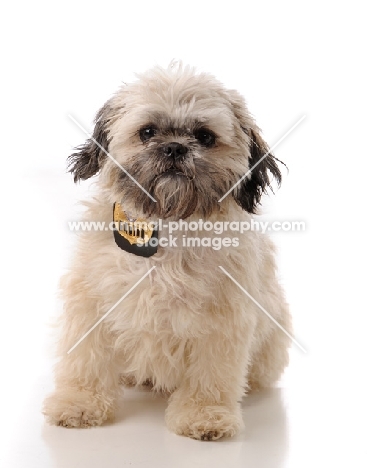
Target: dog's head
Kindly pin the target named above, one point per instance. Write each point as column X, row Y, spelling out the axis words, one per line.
column 183, row 138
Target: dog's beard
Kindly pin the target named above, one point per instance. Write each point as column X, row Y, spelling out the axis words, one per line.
column 180, row 188
column 176, row 196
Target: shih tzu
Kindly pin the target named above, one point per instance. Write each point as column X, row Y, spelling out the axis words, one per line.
column 168, row 149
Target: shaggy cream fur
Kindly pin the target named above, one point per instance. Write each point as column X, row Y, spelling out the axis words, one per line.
column 187, row 328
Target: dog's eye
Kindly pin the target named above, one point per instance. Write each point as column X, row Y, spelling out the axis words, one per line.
column 205, row 137
column 147, row 133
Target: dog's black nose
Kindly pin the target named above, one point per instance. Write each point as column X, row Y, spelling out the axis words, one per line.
column 174, row 150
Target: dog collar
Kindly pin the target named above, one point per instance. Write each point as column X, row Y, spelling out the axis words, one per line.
column 134, row 235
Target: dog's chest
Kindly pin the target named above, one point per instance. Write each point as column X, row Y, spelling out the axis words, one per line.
column 169, row 301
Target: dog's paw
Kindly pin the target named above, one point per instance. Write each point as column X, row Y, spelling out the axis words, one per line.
column 203, row 422
column 76, row 408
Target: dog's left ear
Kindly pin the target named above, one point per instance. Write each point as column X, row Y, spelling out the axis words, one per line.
column 261, row 161
column 89, row 157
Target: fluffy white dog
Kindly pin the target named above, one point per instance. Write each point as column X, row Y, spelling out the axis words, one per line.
column 169, row 146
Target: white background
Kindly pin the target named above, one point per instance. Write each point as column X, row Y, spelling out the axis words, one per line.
column 288, row 59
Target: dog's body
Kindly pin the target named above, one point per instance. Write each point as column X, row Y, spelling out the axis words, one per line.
column 187, row 328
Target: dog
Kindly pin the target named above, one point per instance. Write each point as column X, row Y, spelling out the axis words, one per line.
column 171, row 147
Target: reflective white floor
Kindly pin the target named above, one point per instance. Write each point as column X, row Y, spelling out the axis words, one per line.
column 315, row 417
column 288, row 426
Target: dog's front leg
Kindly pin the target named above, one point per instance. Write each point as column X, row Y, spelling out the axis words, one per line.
column 86, row 377
column 206, row 404
column 86, row 388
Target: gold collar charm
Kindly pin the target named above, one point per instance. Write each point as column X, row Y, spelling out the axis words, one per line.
column 134, row 235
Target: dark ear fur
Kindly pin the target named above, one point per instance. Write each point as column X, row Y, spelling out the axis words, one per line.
column 89, row 157
column 249, row 194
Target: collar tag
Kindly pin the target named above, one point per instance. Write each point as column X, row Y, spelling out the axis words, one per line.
column 134, row 235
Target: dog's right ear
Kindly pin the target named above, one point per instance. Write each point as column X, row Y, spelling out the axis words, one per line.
column 89, row 157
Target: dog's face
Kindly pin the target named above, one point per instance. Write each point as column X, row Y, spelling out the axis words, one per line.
column 184, row 138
